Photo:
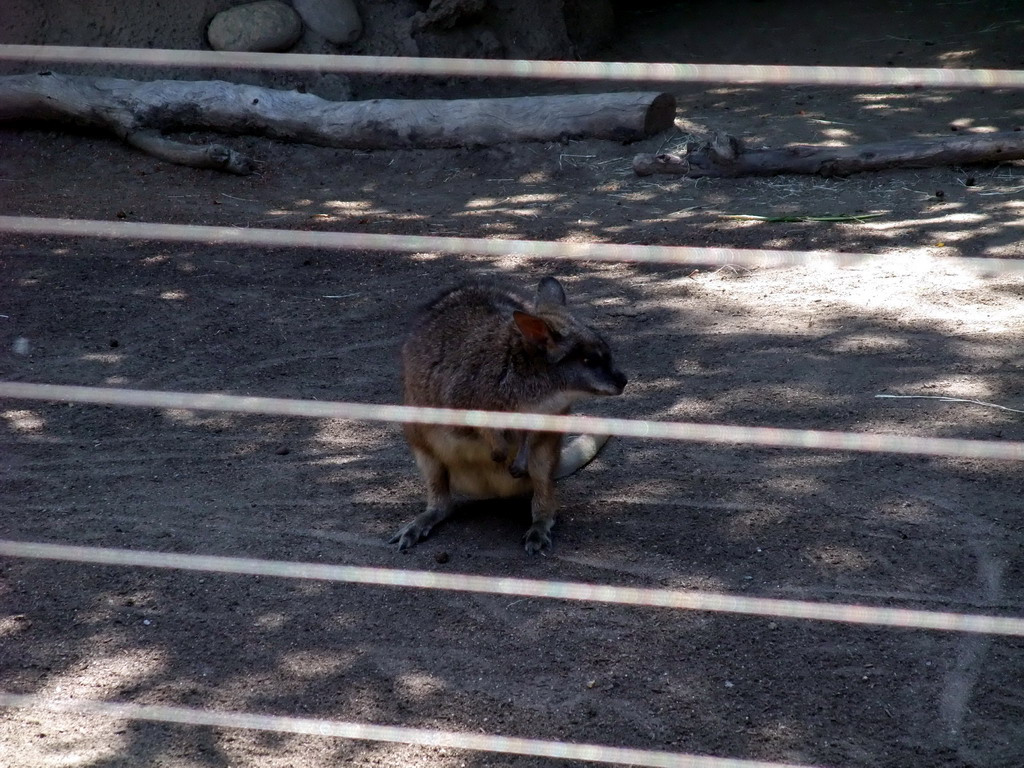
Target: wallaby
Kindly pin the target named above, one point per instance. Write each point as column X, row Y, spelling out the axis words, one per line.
column 478, row 346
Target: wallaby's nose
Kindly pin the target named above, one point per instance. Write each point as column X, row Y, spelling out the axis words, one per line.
column 620, row 380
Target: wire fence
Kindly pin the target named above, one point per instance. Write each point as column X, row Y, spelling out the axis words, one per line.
column 607, row 594
column 428, row 737
column 577, row 71
column 809, row 439
column 691, row 600
column 473, row 246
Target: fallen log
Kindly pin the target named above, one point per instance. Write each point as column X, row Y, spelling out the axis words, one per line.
column 138, row 112
column 725, row 156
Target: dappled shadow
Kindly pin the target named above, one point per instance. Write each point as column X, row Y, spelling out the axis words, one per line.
column 841, row 527
column 799, row 348
column 844, row 33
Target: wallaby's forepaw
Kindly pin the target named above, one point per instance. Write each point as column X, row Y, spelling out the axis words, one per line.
column 409, row 535
column 518, row 471
column 537, row 539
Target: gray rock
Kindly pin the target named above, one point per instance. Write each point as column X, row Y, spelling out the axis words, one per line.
column 266, row 25
column 590, row 24
column 337, row 20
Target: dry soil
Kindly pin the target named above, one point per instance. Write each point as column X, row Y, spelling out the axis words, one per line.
column 806, row 347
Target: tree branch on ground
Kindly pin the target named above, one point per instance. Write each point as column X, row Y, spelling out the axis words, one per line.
column 138, row 112
column 725, row 156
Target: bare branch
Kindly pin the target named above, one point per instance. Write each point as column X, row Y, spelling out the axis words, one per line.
column 136, row 111
column 725, row 156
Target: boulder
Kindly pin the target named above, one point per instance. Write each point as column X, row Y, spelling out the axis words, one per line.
column 336, row 20
column 266, row 25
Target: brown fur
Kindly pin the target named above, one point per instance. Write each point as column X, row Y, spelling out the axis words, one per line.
column 480, row 347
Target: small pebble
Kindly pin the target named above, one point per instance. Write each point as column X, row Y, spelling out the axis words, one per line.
column 442, row 557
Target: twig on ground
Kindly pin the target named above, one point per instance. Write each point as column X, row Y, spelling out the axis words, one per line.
column 802, row 217
column 953, row 400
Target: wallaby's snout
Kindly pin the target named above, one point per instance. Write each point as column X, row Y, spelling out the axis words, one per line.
column 589, row 368
column 603, row 377
column 612, row 380
column 619, row 380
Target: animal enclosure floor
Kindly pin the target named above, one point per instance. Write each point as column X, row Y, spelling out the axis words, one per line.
column 803, row 347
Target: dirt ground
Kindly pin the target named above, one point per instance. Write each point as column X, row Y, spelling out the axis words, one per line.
column 805, row 347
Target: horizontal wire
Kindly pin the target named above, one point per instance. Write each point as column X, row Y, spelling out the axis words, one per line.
column 480, row 246
column 478, row 742
column 810, row 439
column 750, row 74
column 694, row 600
column 287, row 238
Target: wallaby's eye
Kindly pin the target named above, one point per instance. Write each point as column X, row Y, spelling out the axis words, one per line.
column 588, row 356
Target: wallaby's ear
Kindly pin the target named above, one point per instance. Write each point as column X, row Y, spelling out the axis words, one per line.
column 550, row 293
column 533, row 328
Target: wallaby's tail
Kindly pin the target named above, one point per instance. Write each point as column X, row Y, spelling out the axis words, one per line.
column 578, row 452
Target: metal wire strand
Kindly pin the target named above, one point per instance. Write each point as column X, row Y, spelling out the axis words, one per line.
column 478, row 742
column 620, row 72
column 661, row 430
column 605, row 252
column 555, row 590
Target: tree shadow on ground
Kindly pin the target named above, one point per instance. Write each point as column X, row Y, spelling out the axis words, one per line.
column 794, row 348
column 910, row 531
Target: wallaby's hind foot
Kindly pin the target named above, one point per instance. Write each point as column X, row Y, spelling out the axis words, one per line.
column 417, row 529
column 439, row 501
